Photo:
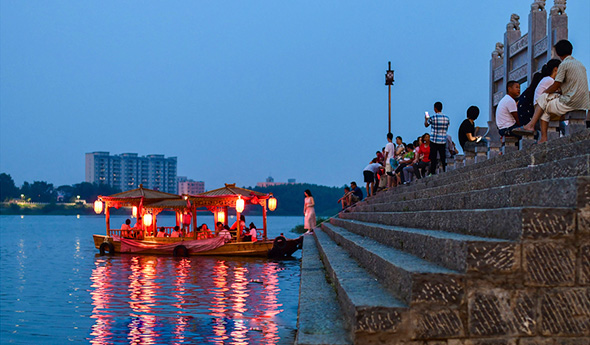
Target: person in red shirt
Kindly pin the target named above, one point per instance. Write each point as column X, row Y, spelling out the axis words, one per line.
column 423, row 158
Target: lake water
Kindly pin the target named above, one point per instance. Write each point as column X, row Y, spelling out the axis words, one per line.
column 56, row 289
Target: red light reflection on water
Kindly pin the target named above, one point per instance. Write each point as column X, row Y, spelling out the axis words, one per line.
column 100, row 277
column 142, row 298
column 240, row 297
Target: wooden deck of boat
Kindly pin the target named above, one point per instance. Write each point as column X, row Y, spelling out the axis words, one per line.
column 259, row 248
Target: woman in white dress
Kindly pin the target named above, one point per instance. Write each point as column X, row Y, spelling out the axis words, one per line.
column 309, row 212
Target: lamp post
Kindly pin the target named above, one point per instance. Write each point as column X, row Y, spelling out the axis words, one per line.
column 389, row 82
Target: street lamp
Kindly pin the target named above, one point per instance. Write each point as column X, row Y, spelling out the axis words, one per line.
column 389, row 81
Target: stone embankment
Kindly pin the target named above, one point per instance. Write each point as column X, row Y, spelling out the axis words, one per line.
column 496, row 252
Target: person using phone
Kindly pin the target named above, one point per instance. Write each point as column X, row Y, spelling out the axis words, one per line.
column 467, row 128
column 438, row 136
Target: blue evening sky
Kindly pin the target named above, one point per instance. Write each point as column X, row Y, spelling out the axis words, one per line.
column 238, row 90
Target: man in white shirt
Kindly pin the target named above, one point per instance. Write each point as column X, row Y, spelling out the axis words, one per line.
column 572, row 80
column 506, row 112
column 389, row 154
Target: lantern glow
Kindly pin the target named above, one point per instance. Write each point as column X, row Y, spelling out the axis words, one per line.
column 98, row 206
column 272, row 203
column 147, row 219
column 221, row 216
column 134, row 211
column 240, row 204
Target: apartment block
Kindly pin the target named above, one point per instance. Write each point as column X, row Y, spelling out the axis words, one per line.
column 128, row 170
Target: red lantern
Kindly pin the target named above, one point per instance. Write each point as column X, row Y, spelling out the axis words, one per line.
column 221, row 216
column 272, row 203
column 98, row 206
column 240, row 204
column 147, row 219
column 134, row 212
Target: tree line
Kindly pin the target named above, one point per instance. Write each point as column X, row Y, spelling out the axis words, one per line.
column 41, row 191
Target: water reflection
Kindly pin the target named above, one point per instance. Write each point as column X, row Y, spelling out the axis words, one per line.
column 162, row 300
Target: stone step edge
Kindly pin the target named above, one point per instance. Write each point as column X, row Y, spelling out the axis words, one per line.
column 519, row 229
column 529, row 152
column 485, row 192
column 474, row 251
column 363, row 311
column 412, row 279
column 319, row 316
column 420, row 187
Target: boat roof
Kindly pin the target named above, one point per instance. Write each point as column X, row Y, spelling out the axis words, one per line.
column 140, row 192
column 231, row 190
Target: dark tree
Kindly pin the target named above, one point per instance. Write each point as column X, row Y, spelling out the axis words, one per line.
column 8, row 189
column 39, row 191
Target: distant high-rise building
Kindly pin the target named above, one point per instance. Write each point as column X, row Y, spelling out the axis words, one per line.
column 188, row 186
column 128, row 170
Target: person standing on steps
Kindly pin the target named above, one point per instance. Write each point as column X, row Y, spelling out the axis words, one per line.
column 309, row 212
column 389, row 156
column 438, row 137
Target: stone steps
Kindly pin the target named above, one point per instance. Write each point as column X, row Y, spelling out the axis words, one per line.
column 564, row 192
column 567, row 167
column 578, row 151
column 320, row 320
column 411, row 279
column 368, row 308
column 512, row 223
column 470, row 253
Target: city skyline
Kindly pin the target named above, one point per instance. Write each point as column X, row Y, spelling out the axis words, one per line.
column 238, row 92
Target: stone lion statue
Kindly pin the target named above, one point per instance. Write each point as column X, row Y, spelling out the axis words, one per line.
column 498, row 53
column 538, row 5
column 514, row 22
column 558, row 7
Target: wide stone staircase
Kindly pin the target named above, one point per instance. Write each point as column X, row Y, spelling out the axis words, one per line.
column 496, row 252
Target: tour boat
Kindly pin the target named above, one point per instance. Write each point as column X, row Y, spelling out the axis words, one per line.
column 146, row 204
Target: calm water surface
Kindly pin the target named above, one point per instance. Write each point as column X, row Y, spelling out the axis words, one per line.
column 55, row 289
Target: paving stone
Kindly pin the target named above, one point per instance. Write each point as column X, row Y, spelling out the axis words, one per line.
column 319, row 318
column 538, row 223
column 536, row 341
column 490, row 342
column 584, row 264
column 432, row 324
column 566, row 312
column 495, row 312
column 549, row 264
column 573, row 341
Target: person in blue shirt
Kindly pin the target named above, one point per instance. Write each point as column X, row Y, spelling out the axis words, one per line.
column 357, row 193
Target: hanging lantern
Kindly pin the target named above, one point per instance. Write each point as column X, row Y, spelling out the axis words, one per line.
column 147, row 219
column 221, row 216
column 272, row 203
column 98, row 206
column 240, row 204
column 134, row 211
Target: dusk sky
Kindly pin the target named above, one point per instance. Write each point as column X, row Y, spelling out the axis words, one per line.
column 238, row 90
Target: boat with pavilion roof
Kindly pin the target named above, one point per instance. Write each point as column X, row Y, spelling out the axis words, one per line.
column 146, row 204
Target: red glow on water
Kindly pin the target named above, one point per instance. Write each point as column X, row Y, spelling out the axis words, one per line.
column 147, row 300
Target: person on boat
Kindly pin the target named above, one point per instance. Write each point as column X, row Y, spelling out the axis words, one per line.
column 309, row 211
column 218, row 227
column 125, row 228
column 224, row 233
column 246, row 235
column 176, row 232
column 161, row 232
column 242, row 223
column 253, row 233
column 205, row 232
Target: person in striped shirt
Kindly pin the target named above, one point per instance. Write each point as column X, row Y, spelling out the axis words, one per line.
column 438, row 136
column 571, row 79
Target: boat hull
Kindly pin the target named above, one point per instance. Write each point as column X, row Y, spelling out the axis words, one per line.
column 256, row 249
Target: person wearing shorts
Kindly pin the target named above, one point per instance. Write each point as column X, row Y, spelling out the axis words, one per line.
column 572, row 80
column 369, row 174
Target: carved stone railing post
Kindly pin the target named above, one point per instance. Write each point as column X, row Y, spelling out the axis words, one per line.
column 459, row 161
column 576, row 121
